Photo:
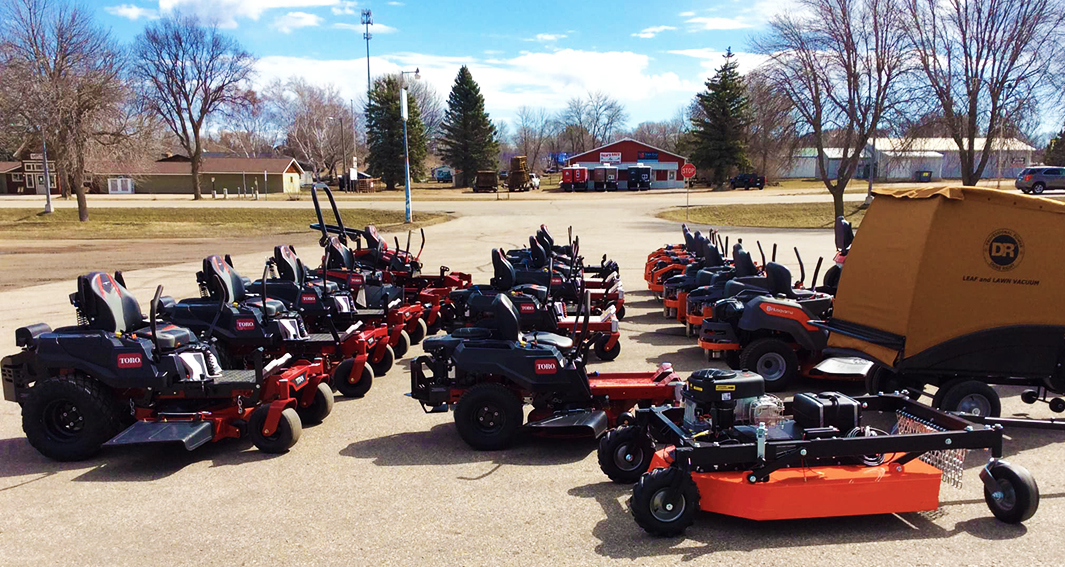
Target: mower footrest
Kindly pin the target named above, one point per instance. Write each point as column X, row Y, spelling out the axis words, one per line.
column 592, row 422
column 192, row 434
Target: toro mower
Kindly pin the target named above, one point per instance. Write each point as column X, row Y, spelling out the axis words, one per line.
column 733, row 450
column 486, row 377
column 117, row 379
column 474, row 307
column 562, row 255
column 242, row 324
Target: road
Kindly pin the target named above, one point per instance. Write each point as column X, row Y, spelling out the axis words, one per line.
column 381, row 482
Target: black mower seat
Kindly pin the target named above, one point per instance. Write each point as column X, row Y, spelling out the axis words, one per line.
column 337, row 255
column 290, row 268
column 779, row 280
column 742, row 260
column 551, row 339
column 170, row 336
column 504, row 275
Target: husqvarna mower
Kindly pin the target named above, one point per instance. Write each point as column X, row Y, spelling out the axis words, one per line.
column 486, row 377
column 118, row 379
column 731, row 449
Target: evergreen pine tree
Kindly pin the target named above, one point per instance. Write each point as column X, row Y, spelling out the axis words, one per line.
column 719, row 129
column 1055, row 152
column 468, row 140
column 384, row 134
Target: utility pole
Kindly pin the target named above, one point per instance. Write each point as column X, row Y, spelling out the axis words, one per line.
column 47, row 178
column 367, row 20
column 354, row 141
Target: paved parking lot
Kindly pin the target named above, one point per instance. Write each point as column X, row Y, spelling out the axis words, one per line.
column 381, row 482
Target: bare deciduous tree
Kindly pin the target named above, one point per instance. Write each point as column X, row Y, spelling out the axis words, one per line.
column 316, row 123
column 253, row 129
column 534, row 127
column 185, row 71
column 771, row 136
column 983, row 61
column 840, row 64
column 665, row 134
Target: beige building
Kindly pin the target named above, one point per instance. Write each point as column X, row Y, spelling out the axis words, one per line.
column 173, row 175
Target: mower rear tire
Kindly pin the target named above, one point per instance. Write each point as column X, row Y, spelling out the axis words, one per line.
column 488, row 416
column 381, row 367
column 342, row 379
column 605, row 354
column 68, row 418
column 774, row 360
column 320, row 407
column 420, row 331
column 968, row 396
column 625, row 454
column 1018, row 494
column 663, row 504
column 288, row 431
column 403, row 345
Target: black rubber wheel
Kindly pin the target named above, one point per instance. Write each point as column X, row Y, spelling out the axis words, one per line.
column 420, row 330
column 381, row 367
column 884, row 380
column 1026, row 191
column 625, row 454
column 732, row 359
column 1057, row 405
column 1038, row 188
column 831, row 277
column 68, row 418
column 320, row 407
column 604, row 354
column 342, row 379
column 774, row 360
column 1030, row 396
column 663, row 504
column 1018, row 496
column 620, row 313
column 488, row 417
column 288, row 431
column 968, row 396
column 403, row 345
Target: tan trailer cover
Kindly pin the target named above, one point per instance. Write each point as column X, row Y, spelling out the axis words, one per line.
column 937, row 263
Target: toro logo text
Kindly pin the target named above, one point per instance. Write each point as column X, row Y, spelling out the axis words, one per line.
column 527, row 308
column 130, row 360
column 245, row 324
column 546, row 366
column 308, row 298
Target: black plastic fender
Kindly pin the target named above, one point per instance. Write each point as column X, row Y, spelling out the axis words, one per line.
column 783, row 316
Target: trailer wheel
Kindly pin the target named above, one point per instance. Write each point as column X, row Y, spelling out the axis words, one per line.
column 884, row 380
column 288, row 431
column 605, row 354
column 663, row 504
column 968, row 396
column 488, row 417
column 320, row 408
column 420, row 330
column 1017, row 497
column 68, row 418
column 625, row 453
column 403, row 345
column 381, row 367
column 342, row 377
column 773, row 359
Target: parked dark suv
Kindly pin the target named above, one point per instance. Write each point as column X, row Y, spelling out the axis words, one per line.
column 1039, row 179
column 747, row 181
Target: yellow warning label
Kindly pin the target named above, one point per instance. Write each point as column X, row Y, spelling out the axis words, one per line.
column 725, row 387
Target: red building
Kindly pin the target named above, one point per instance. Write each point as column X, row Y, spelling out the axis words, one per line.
column 623, row 154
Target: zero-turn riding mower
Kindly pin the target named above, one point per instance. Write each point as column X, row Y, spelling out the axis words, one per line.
column 733, row 450
column 486, row 377
column 118, row 379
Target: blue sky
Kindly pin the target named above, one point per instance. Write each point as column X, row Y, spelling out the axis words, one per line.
column 652, row 56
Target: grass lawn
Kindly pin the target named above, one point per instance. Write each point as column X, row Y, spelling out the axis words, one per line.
column 769, row 215
column 165, row 222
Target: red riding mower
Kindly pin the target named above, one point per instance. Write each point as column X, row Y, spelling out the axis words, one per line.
column 661, row 266
column 242, row 323
column 487, row 376
column 116, row 379
column 733, row 450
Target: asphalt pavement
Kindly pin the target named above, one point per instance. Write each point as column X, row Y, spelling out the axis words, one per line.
column 381, row 482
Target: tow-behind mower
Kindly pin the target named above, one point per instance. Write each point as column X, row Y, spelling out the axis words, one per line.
column 487, row 379
column 243, row 324
column 731, row 449
column 116, row 379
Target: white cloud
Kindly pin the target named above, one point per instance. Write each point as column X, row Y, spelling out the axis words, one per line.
column 686, row 14
column 648, row 33
column 704, row 23
column 374, row 28
column 547, row 37
column 711, row 59
column 396, row 4
column 345, row 8
column 296, row 20
column 131, row 12
column 226, row 12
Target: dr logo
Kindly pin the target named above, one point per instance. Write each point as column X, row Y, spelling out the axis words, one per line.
column 527, row 308
column 132, row 360
column 245, row 324
column 1003, row 250
column 546, row 366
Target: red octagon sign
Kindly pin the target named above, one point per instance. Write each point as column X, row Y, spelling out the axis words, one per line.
column 688, row 171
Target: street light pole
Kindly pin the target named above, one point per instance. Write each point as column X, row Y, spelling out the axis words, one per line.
column 406, row 151
column 47, row 179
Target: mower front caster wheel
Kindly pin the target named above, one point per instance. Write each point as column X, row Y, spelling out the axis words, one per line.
column 664, row 502
column 1017, row 496
column 320, row 407
column 488, row 416
column 625, row 453
column 607, row 354
column 620, row 313
column 420, row 331
column 342, row 379
column 403, row 345
column 381, row 367
column 280, row 440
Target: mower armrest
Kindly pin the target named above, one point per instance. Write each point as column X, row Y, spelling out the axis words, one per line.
column 166, row 303
column 246, row 280
column 25, row 337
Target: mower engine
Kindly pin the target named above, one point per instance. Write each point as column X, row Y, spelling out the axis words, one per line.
column 725, row 404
